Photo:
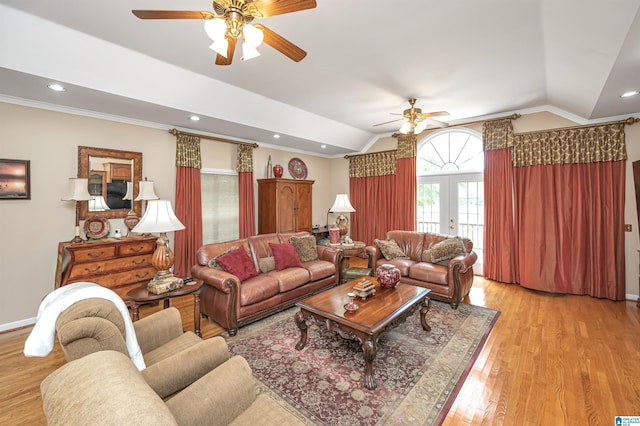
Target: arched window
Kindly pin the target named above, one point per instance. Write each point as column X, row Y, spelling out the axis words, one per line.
column 450, row 166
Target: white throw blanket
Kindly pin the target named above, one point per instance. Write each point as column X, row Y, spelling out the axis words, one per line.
column 41, row 340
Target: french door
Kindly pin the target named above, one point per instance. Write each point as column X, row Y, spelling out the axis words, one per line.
column 453, row 204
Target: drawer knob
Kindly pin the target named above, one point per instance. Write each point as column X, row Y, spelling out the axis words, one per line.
column 146, row 274
column 136, row 249
column 95, row 255
column 138, row 262
column 97, row 268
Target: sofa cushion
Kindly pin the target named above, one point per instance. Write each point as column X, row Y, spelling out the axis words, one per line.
column 258, row 288
column 305, row 247
column 213, row 262
column 404, row 264
column 390, row 249
column 410, row 242
column 290, row 278
column 445, row 250
column 285, row 256
column 267, row 264
column 319, row 269
column 238, row 263
column 429, row 272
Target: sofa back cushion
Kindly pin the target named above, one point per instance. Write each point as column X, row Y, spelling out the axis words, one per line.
column 259, row 245
column 431, row 238
column 411, row 243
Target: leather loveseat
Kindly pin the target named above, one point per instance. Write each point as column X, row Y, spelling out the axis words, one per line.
column 233, row 302
column 449, row 279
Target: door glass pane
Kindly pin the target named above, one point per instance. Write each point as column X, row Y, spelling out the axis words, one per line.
column 471, row 214
column 429, row 207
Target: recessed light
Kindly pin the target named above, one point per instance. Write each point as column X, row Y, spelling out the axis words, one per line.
column 194, row 118
column 323, row 146
column 276, row 136
column 629, row 94
column 56, row 87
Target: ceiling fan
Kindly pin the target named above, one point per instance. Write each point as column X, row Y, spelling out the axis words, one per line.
column 415, row 120
column 232, row 19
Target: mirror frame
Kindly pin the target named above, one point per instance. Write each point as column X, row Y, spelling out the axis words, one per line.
column 84, row 152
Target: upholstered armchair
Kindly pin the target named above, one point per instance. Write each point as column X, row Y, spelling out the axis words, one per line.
column 174, row 358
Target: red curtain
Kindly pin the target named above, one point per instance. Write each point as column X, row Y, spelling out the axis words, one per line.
column 500, row 254
column 374, row 199
column 247, row 225
column 406, row 195
column 189, row 211
column 570, row 219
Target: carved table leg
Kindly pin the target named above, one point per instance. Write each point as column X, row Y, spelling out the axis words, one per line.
column 135, row 310
column 302, row 325
column 369, row 349
column 196, row 313
column 426, row 305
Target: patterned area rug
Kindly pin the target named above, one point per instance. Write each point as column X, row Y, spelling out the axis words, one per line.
column 416, row 372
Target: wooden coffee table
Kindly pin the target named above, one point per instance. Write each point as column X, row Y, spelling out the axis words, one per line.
column 387, row 309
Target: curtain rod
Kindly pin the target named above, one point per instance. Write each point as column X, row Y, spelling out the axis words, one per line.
column 213, row 138
column 369, row 153
column 628, row 121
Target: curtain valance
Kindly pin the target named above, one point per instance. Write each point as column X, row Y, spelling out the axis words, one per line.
column 188, row 151
column 374, row 164
column 497, row 134
column 407, row 146
column 588, row 144
column 244, row 160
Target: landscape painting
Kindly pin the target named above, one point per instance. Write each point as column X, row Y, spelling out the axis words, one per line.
column 14, row 180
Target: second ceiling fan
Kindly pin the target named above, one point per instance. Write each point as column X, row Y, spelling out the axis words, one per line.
column 232, row 19
column 415, row 120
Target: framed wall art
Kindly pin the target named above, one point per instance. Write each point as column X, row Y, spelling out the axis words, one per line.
column 15, row 180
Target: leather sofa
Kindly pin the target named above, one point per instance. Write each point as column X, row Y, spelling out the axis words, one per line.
column 233, row 303
column 105, row 388
column 448, row 281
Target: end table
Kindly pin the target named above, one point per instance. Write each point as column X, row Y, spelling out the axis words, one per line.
column 348, row 251
column 140, row 295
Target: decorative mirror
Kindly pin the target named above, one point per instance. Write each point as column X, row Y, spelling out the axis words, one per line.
column 114, row 178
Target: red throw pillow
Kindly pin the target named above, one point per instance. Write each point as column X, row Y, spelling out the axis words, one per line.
column 238, row 263
column 285, row 256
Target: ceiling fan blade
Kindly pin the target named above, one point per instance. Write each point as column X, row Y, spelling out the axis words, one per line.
column 281, row 44
column 434, row 114
column 436, row 123
column 172, row 14
column 387, row 122
column 221, row 60
column 280, row 7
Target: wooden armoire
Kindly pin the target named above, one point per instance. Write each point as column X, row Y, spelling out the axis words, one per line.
column 284, row 205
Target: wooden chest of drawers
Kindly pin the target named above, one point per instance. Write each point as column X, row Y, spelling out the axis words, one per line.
column 116, row 264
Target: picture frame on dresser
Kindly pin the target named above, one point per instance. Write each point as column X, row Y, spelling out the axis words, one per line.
column 15, row 179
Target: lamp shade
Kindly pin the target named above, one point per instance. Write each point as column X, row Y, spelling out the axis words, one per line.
column 129, row 194
column 78, row 190
column 146, row 191
column 98, row 204
column 342, row 204
column 159, row 217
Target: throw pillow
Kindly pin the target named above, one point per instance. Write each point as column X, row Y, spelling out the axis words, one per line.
column 238, row 263
column 305, row 247
column 447, row 249
column 285, row 256
column 267, row 264
column 213, row 262
column 390, row 249
column 427, row 257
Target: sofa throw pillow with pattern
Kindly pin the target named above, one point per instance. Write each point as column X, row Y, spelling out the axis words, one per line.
column 238, row 263
column 267, row 264
column 305, row 247
column 213, row 262
column 390, row 249
column 285, row 256
column 447, row 249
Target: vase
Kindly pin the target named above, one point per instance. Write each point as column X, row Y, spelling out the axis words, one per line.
column 388, row 275
column 277, row 171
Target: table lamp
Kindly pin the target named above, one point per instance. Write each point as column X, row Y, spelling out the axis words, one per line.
column 98, row 204
column 78, row 192
column 342, row 205
column 159, row 217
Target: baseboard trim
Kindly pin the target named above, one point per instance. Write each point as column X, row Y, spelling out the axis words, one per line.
column 17, row 324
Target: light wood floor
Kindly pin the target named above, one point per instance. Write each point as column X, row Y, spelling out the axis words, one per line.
column 550, row 360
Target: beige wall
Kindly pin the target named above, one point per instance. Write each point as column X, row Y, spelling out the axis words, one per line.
column 31, row 229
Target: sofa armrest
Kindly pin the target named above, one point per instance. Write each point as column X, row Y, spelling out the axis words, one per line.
column 462, row 263
column 176, row 372
column 218, row 397
column 373, row 254
column 158, row 328
column 330, row 254
column 84, row 336
column 220, row 280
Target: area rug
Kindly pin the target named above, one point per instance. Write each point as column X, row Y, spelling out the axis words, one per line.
column 417, row 373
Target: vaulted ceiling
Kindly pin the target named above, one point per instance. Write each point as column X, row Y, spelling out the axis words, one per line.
column 365, row 60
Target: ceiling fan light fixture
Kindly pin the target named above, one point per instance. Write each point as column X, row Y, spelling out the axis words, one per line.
column 248, row 51
column 420, row 127
column 215, row 28
column 406, row 127
column 220, row 47
column 252, row 35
